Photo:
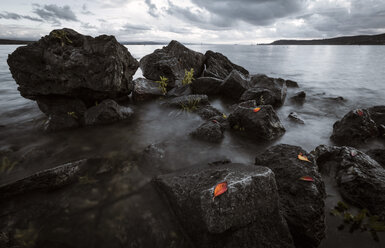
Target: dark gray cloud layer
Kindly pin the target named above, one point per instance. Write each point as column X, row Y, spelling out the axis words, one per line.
column 14, row 16
column 54, row 13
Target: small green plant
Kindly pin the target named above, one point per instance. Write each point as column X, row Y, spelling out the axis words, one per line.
column 6, row 165
column 162, row 84
column 191, row 105
column 87, row 180
column 26, row 237
column 261, row 100
column 188, row 76
column 62, row 36
column 224, row 116
column 362, row 220
column 72, row 114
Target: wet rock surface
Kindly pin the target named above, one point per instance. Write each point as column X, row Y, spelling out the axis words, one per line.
column 211, row 131
column 378, row 155
column 145, row 89
column 106, row 112
column 73, row 65
column 206, row 85
column 354, row 128
column 302, row 202
column 234, row 85
column 299, row 97
column 233, row 219
column 261, row 125
column 293, row 116
column 171, row 62
column 360, row 179
column 219, row 66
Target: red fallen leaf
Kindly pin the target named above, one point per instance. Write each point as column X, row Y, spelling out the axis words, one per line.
column 256, row 110
column 306, row 178
column 353, row 153
column 360, row 112
column 220, row 189
column 303, row 157
column 215, row 121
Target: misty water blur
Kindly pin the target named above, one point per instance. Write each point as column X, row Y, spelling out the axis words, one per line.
column 356, row 73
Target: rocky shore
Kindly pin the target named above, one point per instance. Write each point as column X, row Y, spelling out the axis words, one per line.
column 279, row 201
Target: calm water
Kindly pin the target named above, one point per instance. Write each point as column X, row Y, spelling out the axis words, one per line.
column 357, row 73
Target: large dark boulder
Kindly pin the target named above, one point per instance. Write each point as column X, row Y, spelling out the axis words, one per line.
column 145, row 89
column 211, row 131
column 66, row 63
column 246, row 215
column 299, row 97
column 234, row 85
column 261, row 125
column 302, row 201
column 265, row 91
column 208, row 112
column 378, row 155
column 354, row 128
column 106, row 112
column 219, row 66
column 360, row 179
column 171, row 62
column 206, row 85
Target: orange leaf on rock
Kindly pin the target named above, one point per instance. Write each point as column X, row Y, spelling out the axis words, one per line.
column 307, row 179
column 220, row 189
column 256, row 110
column 359, row 112
column 303, row 157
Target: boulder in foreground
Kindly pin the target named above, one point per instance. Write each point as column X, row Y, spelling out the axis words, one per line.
column 246, row 215
column 302, row 201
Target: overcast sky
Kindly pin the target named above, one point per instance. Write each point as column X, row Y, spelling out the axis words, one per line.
column 207, row 21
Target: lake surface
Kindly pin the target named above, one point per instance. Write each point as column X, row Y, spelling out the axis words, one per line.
column 356, row 73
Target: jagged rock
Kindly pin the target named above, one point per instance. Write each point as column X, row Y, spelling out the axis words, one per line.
column 293, row 116
column 299, row 97
column 145, row 89
column 183, row 90
column 208, row 111
column 289, row 83
column 206, row 85
column 171, row 62
column 265, row 90
column 106, row 112
column 378, row 155
column 360, row 179
column 302, row 202
column 377, row 113
column 66, row 63
column 190, row 101
column 234, row 85
column 211, row 131
column 246, row 215
column 261, row 125
column 354, row 128
column 219, row 66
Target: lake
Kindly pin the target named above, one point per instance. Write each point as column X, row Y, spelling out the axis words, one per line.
column 325, row 73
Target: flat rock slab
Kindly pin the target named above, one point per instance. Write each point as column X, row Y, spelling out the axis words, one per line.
column 302, row 201
column 246, row 215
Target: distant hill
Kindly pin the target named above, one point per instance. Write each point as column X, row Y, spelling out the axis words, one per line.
column 345, row 40
column 14, row 42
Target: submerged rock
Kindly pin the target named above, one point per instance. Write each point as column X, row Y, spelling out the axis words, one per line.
column 293, row 116
column 106, row 112
column 145, row 89
column 299, row 97
column 211, row 131
column 360, row 179
column 302, row 202
column 66, row 63
column 246, row 215
column 190, row 102
column 354, row 128
column 171, row 62
column 261, row 125
column 219, row 66
column 206, row 85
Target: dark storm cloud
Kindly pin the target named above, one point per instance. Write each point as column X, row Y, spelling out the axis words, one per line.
column 256, row 12
column 54, row 13
column 152, row 9
column 14, row 16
